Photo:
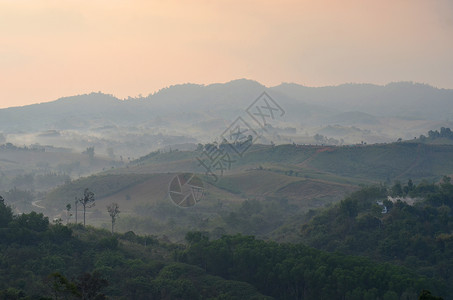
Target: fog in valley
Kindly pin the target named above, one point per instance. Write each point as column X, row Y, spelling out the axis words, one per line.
column 283, row 151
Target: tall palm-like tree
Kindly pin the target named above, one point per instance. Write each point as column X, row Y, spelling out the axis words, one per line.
column 87, row 202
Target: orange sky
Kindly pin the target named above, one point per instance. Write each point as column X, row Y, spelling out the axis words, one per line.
column 50, row 49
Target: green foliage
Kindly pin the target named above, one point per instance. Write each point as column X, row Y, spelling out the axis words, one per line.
column 242, row 267
column 6, row 214
column 90, row 285
column 397, row 189
column 31, row 221
column 13, row 294
column 295, row 271
column 444, row 133
column 417, row 236
column 349, row 207
column 61, row 286
column 43, row 261
column 426, row 295
column 258, row 217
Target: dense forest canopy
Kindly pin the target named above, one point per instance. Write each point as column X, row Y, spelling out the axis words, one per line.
column 42, row 260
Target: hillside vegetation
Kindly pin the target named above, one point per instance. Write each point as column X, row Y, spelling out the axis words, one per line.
column 44, row 261
column 265, row 191
column 415, row 230
column 310, row 196
column 353, row 164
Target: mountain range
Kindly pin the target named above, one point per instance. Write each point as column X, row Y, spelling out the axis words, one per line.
column 190, row 113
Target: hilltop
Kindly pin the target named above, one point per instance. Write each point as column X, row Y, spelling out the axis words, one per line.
column 190, row 114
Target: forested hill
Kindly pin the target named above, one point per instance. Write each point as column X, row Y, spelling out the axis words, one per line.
column 51, row 261
column 413, row 230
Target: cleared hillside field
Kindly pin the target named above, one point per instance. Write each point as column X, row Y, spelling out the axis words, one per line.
column 355, row 164
column 271, row 187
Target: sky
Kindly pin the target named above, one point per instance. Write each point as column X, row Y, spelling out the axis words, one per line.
column 50, row 49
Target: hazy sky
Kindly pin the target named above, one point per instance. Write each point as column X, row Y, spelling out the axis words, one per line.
column 50, row 49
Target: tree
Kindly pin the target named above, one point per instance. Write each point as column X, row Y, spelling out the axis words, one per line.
column 87, row 202
column 319, row 138
column 90, row 286
column 61, row 287
column 410, row 185
column 6, row 214
column 90, row 152
column 68, row 212
column 397, row 189
column 114, row 210
column 426, row 295
column 349, row 207
column 76, row 203
column 32, row 221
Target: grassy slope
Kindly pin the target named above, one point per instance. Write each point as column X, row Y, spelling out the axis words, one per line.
column 305, row 176
column 361, row 164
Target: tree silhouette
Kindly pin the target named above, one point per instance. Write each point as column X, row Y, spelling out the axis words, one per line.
column 6, row 214
column 76, row 203
column 114, row 210
column 87, row 201
column 90, row 152
column 61, row 287
column 90, row 286
column 68, row 212
column 426, row 295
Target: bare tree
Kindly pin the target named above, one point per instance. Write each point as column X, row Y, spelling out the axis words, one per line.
column 87, row 201
column 114, row 210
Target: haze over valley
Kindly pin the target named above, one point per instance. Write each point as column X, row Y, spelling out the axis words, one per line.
column 221, row 150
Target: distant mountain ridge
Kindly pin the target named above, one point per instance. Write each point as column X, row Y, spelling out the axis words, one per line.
column 404, row 99
column 186, row 109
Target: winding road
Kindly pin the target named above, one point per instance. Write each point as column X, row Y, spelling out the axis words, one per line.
column 35, row 204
